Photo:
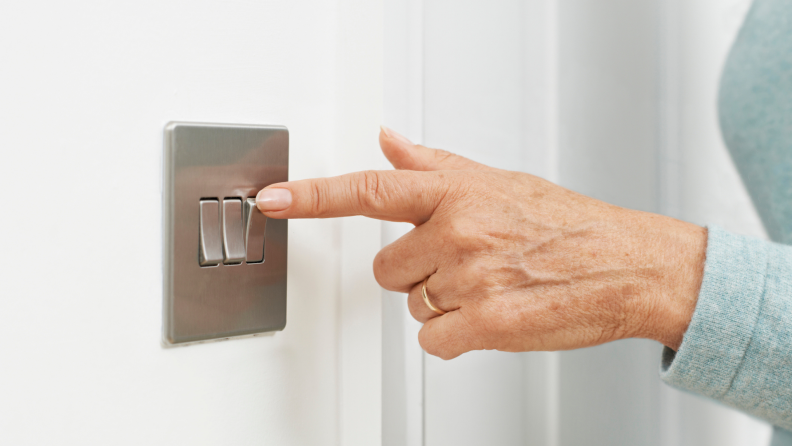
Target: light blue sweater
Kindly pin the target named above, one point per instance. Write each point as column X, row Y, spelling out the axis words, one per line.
column 738, row 348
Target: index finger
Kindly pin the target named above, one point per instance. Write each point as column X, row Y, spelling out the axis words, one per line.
column 405, row 196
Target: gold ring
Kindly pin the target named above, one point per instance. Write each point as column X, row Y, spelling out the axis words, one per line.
column 426, row 299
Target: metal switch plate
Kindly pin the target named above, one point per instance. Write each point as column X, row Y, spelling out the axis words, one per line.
column 224, row 262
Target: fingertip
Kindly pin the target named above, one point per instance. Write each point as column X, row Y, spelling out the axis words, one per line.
column 273, row 199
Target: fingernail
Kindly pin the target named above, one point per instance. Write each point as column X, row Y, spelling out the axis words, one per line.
column 275, row 199
column 395, row 135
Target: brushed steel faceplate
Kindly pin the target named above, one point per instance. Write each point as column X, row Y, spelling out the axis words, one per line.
column 242, row 296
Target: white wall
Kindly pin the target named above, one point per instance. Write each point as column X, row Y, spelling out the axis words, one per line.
column 85, row 91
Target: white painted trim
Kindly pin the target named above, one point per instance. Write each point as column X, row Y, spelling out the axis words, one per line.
column 415, row 71
column 359, row 81
column 403, row 358
column 541, row 385
column 669, row 156
column 551, row 75
column 553, row 174
column 668, row 162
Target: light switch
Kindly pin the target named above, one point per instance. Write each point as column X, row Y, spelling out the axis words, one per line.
column 210, row 247
column 220, row 279
column 233, row 236
column 255, row 230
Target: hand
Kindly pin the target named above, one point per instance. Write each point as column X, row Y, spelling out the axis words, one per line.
column 518, row 263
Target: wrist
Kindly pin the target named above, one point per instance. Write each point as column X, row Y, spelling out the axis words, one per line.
column 678, row 255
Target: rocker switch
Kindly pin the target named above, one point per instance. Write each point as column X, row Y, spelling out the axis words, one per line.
column 233, row 236
column 255, row 229
column 211, row 250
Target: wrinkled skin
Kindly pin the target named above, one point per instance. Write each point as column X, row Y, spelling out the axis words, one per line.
column 518, row 263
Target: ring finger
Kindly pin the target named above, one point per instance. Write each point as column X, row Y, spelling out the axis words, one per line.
column 419, row 309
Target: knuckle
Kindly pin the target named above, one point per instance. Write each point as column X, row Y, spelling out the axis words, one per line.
column 442, row 156
column 446, row 291
column 318, row 196
column 467, row 237
column 383, row 269
column 380, row 268
column 370, row 190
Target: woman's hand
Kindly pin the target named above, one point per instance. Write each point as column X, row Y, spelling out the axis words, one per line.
column 518, row 263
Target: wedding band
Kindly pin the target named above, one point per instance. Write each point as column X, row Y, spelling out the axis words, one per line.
column 426, row 299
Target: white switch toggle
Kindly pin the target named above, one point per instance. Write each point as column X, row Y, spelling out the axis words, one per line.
column 233, row 236
column 210, row 247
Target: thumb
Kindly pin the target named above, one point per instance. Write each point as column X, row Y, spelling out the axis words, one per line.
column 404, row 155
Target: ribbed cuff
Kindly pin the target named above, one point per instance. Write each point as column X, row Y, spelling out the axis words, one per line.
column 725, row 317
